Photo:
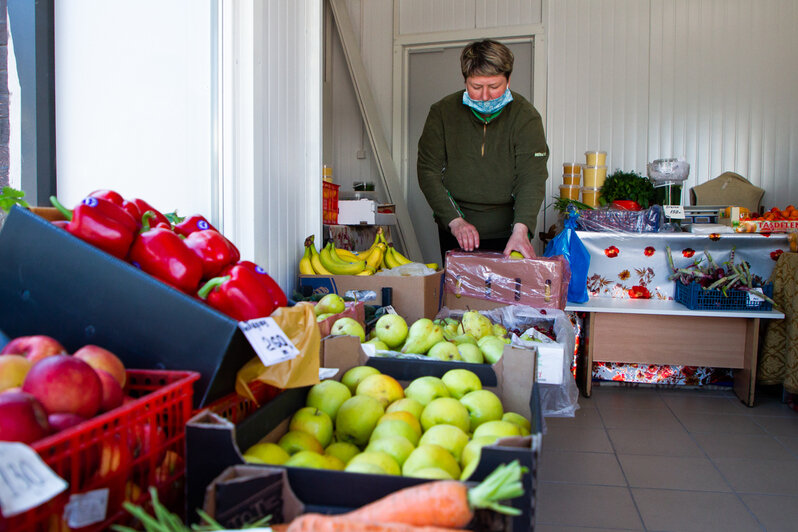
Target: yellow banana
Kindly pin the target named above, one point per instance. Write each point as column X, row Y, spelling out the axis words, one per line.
column 390, row 260
column 375, row 257
column 339, row 268
column 315, row 260
column 367, row 271
column 434, row 265
column 398, row 256
column 305, row 266
column 346, row 255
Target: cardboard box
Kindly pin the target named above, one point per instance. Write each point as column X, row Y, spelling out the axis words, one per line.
column 412, row 297
column 55, row 284
column 357, row 212
column 481, row 280
column 213, row 443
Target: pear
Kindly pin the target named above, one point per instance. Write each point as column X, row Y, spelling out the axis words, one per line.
column 476, row 324
column 463, row 339
column 492, row 348
column 498, row 330
column 422, row 335
column 330, row 304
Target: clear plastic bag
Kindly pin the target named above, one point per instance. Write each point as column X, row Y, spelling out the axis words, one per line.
column 413, row 269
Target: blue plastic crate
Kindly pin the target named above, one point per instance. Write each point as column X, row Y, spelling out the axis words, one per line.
column 694, row 297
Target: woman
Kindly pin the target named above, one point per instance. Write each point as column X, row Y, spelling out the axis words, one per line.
column 482, row 158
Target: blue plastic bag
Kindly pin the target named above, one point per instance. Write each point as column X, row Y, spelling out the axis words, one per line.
column 568, row 244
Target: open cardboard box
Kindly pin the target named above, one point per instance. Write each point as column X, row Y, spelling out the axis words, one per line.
column 56, row 284
column 413, row 297
column 213, row 443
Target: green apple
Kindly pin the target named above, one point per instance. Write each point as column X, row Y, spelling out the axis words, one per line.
column 461, row 381
column 348, row 327
column 476, row 324
column 357, row 418
column 333, row 462
column 381, row 387
column 432, row 473
column 430, row 455
column 343, row 450
column 445, row 411
column 468, row 470
column 378, row 344
column 406, row 405
column 391, row 329
column 397, row 446
column 294, row 441
column 470, row 353
column 353, row 376
column 313, row 421
column 309, row 459
column 522, row 422
column 473, row 449
column 444, row 350
column 451, row 438
column 500, row 429
column 492, row 348
column 364, row 467
column 402, row 415
column 380, row 459
column 395, row 427
column 482, row 406
column 425, row 389
column 267, row 453
column 329, row 304
column 328, row 396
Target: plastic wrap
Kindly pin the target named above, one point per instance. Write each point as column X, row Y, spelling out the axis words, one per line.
column 556, row 400
column 611, row 219
column 412, row 269
column 538, row 283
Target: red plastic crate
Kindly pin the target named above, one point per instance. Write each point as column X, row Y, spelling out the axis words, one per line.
column 330, row 202
column 236, row 408
column 137, row 445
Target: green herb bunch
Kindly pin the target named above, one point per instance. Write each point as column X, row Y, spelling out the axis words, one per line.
column 621, row 185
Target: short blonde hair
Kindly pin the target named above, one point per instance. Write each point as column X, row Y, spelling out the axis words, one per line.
column 486, row 58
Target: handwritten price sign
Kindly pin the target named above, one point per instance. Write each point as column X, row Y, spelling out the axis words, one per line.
column 268, row 340
column 25, row 480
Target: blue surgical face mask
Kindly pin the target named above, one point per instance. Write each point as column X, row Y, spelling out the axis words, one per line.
column 488, row 106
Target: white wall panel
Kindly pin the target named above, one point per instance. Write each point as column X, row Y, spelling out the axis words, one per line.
column 424, row 16
column 495, row 13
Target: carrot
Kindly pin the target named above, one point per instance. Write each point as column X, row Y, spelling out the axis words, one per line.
column 445, row 503
column 340, row 523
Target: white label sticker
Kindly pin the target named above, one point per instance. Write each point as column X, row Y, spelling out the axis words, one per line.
column 268, row 340
column 389, row 309
column 84, row 509
column 674, row 211
column 754, row 298
column 25, row 480
column 550, row 363
column 327, row 373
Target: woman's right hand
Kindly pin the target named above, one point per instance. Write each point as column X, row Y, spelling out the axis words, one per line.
column 465, row 233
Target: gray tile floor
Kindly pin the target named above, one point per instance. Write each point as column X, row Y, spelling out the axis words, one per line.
column 670, row 460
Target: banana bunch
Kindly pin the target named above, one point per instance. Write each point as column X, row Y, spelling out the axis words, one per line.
column 331, row 260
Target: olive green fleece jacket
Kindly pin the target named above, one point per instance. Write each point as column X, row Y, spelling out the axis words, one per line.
column 492, row 173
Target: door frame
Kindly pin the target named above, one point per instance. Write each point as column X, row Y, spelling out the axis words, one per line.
column 403, row 45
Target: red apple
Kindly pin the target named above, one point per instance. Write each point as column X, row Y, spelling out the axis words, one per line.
column 63, row 383
column 34, row 348
column 22, row 418
column 145, row 439
column 112, row 391
column 64, row 420
column 100, row 358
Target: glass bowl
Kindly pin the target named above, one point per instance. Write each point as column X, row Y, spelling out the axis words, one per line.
column 668, row 170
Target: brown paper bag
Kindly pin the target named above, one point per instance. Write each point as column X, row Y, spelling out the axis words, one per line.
column 299, row 325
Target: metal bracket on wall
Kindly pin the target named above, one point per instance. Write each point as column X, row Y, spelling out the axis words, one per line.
column 379, row 145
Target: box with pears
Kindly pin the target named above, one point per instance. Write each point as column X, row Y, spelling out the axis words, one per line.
column 367, row 432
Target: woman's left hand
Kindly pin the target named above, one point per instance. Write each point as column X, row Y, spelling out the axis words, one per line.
column 519, row 241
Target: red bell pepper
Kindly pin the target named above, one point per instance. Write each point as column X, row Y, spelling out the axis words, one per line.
column 144, row 207
column 196, row 223
column 215, row 251
column 163, row 254
column 117, row 199
column 239, row 294
column 100, row 223
column 278, row 296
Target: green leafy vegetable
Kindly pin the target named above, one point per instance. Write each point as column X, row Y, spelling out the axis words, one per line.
column 622, row 185
column 10, row 197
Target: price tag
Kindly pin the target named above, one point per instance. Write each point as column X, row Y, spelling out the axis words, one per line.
column 327, row 373
column 84, row 509
column 755, row 299
column 268, row 340
column 674, row 211
column 389, row 309
column 25, row 480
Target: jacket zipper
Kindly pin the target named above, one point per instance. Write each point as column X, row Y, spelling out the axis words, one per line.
column 485, row 123
column 484, row 135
